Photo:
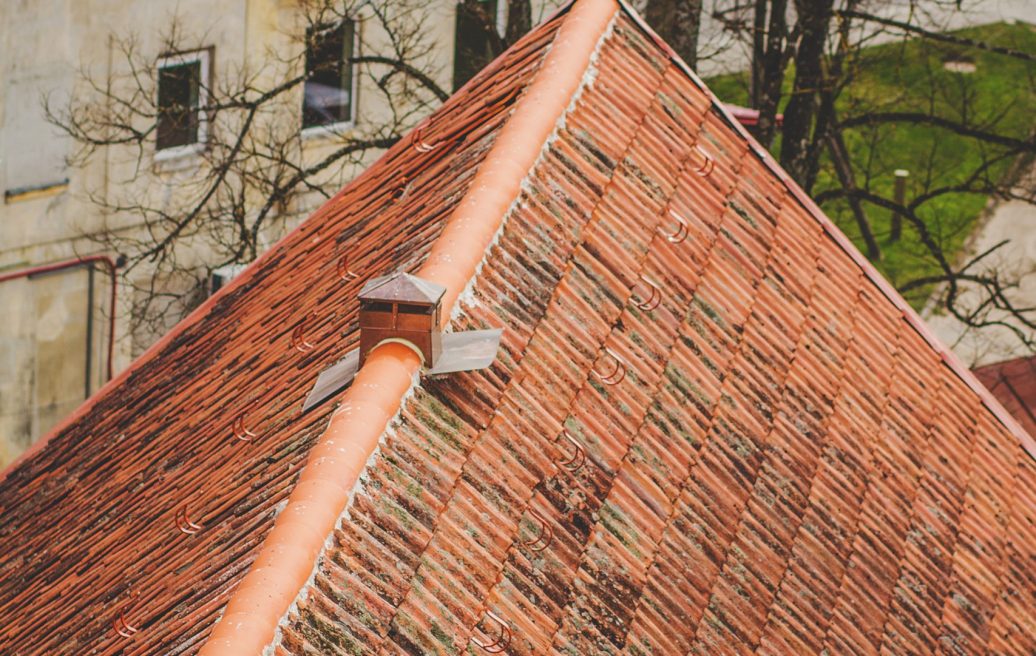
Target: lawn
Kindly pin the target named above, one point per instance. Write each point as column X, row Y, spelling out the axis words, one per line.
column 911, row 76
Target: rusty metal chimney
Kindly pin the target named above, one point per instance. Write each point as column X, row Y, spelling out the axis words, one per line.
column 401, row 308
column 406, row 309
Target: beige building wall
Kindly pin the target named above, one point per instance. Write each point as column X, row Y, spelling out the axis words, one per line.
column 54, row 337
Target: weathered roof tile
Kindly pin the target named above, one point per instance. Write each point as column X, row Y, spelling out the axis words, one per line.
column 709, row 429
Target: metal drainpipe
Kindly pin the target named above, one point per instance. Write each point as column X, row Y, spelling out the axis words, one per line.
column 89, row 260
column 89, row 330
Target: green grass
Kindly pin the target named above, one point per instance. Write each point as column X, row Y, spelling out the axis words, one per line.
column 909, row 76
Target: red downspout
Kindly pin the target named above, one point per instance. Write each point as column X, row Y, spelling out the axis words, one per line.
column 71, row 264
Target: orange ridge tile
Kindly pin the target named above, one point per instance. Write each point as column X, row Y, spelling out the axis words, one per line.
column 290, row 552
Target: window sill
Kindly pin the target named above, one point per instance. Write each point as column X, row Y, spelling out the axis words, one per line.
column 177, row 152
column 329, row 131
column 179, row 157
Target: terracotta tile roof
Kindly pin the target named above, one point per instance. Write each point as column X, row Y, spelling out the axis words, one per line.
column 89, row 529
column 1013, row 382
column 711, row 427
column 787, row 465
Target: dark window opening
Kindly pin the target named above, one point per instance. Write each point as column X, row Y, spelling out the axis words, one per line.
column 476, row 42
column 415, row 309
column 327, row 96
column 179, row 100
column 376, row 306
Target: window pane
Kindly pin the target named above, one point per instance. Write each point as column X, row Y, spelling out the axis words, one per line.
column 473, row 41
column 178, row 94
column 328, row 90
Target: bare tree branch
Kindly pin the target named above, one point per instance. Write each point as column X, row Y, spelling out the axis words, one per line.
column 254, row 165
column 938, row 36
column 958, row 127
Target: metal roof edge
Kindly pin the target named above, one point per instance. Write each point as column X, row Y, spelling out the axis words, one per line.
column 292, row 549
column 948, row 356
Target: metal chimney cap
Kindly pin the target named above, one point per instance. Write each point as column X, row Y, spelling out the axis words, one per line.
column 402, row 287
column 405, row 309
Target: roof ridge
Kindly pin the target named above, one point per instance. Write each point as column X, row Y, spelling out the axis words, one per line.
column 291, row 550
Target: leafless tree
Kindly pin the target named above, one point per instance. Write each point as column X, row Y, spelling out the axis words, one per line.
column 679, row 23
column 804, row 56
column 821, row 44
column 174, row 223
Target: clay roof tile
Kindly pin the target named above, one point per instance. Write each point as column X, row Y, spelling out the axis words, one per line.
column 712, row 426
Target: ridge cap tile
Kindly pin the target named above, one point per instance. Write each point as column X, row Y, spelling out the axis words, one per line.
column 709, row 428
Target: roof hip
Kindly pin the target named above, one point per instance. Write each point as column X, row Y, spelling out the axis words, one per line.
column 290, row 553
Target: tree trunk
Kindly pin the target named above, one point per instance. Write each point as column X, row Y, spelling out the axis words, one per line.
column 824, row 126
column 826, row 121
column 758, row 52
column 477, row 41
column 519, row 20
column 814, row 17
column 677, row 22
column 768, row 67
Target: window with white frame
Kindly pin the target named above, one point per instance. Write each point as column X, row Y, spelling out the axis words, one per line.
column 183, row 83
column 329, row 94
